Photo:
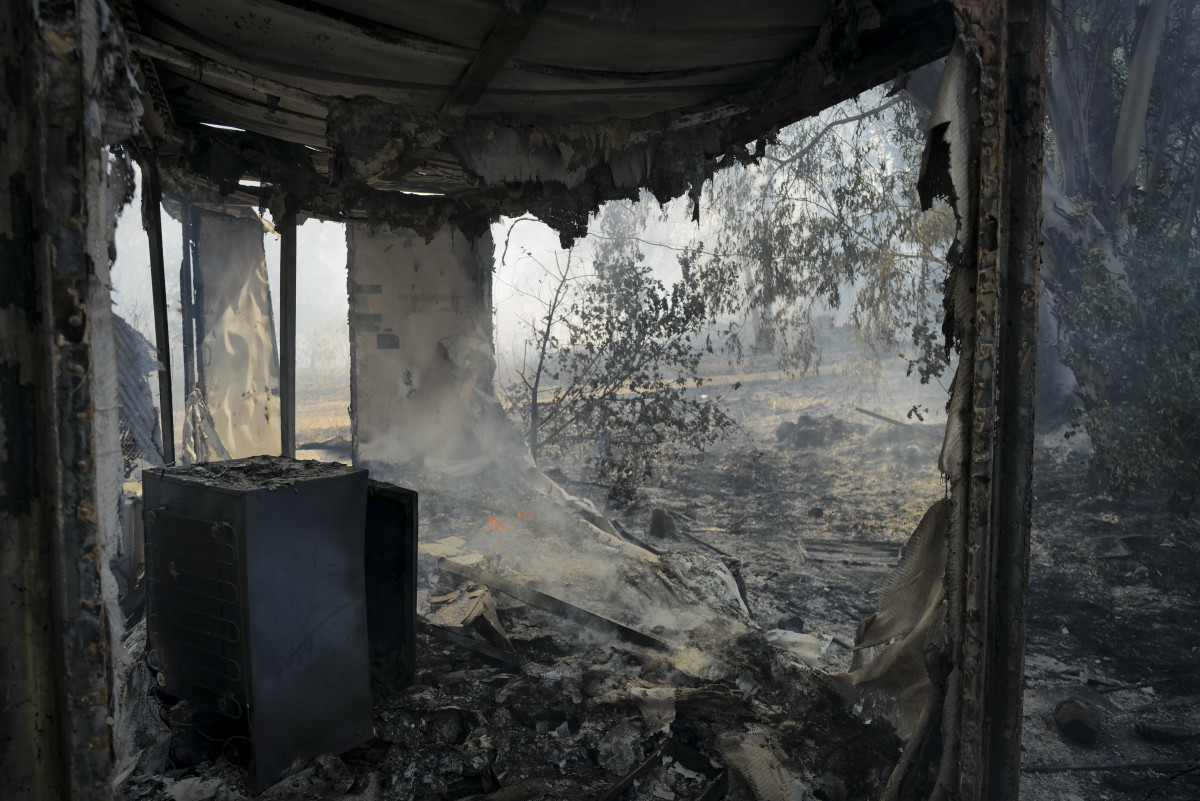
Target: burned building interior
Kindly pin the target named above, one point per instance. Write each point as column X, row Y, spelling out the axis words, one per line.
column 307, row 631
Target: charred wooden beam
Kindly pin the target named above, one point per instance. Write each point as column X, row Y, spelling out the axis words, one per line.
column 488, row 652
column 885, row 419
column 511, row 28
column 287, row 334
column 152, row 222
column 993, row 494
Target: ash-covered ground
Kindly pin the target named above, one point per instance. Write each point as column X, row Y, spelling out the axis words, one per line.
column 811, row 504
column 818, row 510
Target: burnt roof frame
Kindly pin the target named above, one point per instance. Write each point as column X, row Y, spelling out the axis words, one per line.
column 856, row 48
column 992, row 501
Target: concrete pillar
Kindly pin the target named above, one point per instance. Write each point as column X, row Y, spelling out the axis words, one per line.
column 421, row 352
column 233, row 411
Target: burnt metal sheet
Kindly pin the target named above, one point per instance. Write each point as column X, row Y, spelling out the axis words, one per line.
column 256, row 601
column 424, row 46
column 551, row 604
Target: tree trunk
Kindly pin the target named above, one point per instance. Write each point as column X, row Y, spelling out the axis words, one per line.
column 1131, row 123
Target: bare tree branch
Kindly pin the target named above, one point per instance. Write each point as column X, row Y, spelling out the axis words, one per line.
column 804, row 151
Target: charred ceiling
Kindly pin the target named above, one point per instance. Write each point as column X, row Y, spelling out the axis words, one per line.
column 422, row 114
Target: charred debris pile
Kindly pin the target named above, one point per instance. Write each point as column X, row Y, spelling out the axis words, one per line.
column 554, row 659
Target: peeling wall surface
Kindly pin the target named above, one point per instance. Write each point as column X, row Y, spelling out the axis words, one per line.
column 237, row 352
column 421, row 346
column 65, row 96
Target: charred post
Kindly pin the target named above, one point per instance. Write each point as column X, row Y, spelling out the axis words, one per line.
column 287, row 335
column 1024, row 118
column 152, row 221
column 54, row 456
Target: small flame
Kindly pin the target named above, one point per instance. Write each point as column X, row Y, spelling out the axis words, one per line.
column 495, row 524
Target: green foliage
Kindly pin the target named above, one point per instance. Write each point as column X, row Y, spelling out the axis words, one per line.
column 617, row 378
column 1135, row 344
column 830, row 215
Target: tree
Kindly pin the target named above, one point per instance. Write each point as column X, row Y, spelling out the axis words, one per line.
column 1119, row 262
column 611, row 366
column 829, row 215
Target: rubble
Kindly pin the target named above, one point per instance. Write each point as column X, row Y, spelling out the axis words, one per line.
column 1079, row 719
column 809, row 431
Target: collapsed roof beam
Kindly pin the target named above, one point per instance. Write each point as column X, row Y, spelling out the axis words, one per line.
column 513, row 25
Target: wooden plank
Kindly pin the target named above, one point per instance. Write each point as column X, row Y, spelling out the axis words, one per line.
column 511, row 28
column 208, row 104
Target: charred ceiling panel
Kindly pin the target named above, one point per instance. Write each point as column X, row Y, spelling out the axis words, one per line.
column 984, row 155
column 66, row 95
column 550, row 108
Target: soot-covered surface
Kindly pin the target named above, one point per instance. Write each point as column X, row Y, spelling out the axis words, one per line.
column 567, row 718
column 566, row 711
column 258, row 472
column 817, row 517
